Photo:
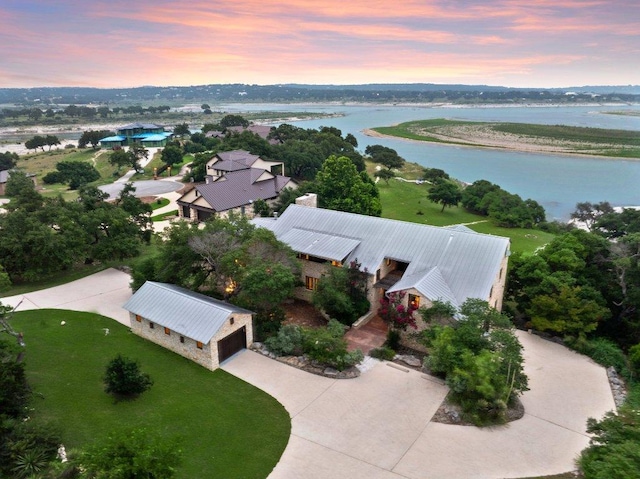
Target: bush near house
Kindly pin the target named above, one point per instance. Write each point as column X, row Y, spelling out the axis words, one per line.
column 324, row 345
column 481, row 360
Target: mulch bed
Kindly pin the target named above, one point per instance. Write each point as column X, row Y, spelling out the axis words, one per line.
column 303, row 314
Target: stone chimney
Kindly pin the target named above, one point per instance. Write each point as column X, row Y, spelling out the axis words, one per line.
column 310, row 200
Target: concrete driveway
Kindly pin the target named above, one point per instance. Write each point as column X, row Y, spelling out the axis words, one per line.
column 378, row 426
column 103, row 293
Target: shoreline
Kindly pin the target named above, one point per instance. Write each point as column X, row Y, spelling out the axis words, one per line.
column 540, row 150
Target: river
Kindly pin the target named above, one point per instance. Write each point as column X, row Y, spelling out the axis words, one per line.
column 557, row 182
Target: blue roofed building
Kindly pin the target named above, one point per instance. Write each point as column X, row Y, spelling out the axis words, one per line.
column 148, row 135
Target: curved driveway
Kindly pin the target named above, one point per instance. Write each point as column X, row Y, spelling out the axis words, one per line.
column 378, row 426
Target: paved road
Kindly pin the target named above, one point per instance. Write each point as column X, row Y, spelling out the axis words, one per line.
column 378, row 426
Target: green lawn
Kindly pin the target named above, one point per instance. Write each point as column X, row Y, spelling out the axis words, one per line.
column 408, row 202
column 225, row 427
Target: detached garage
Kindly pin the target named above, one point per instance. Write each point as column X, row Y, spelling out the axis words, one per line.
column 193, row 325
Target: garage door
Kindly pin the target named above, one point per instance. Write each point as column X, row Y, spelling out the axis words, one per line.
column 233, row 343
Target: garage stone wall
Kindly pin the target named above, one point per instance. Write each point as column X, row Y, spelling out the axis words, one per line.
column 208, row 355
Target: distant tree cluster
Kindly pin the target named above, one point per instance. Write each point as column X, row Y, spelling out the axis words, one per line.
column 374, row 93
column 8, row 160
column 75, row 173
column 41, row 236
column 93, row 137
column 39, row 141
column 506, row 209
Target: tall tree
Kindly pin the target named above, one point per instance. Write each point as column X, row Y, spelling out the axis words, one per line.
column 446, row 193
column 340, row 187
column 93, row 137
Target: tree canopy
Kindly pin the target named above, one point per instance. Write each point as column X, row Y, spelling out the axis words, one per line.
column 446, row 193
column 340, row 187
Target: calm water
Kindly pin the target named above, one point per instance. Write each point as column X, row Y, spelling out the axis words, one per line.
column 557, row 182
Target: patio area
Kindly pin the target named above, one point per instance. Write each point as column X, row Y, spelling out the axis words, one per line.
column 370, row 336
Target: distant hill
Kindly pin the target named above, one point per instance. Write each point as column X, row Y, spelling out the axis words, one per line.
column 379, row 93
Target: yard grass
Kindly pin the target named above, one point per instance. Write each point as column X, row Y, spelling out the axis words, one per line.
column 407, row 201
column 44, row 162
column 225, row 427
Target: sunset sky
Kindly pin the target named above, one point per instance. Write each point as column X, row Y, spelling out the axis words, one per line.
column 117, row 43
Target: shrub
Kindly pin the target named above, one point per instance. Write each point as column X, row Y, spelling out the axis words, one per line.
column 131, row 454
column 613, row 450
column 634, row 358
column 384, row 352
column 287, row 342
column 123, row 378
column 53, row 177
column 481, row 359
column 328, row 346
column 393, row 340
column 605, row 353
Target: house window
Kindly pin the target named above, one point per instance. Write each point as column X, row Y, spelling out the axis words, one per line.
column 138, row 318
column 231, row 320
column 198, row 344
column 311, row 283
column 388, row 262
column 167, row 331
column 303, row 256
column 182, row 339
column 336, row 263
column 378, row 275
column 151, row 325
column 414, row 300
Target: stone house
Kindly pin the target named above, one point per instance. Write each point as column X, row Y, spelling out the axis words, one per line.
column 193, row 325
column 425, row 262
column 234, row 181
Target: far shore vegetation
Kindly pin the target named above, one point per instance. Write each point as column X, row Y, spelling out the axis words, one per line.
column 521, row 136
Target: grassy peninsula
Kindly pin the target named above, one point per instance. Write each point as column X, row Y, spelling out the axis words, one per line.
column 520, row 136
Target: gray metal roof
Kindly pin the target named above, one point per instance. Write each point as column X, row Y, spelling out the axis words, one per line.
column 188, row 313
column 4, row 176
column 326, row 246
column 138, row 125
column 467, row 263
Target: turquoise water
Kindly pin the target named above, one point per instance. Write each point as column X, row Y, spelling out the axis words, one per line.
column 557, row 182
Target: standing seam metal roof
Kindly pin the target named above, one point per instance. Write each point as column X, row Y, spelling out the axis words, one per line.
column 188, row 313
column 468, row 263
column 238, row 188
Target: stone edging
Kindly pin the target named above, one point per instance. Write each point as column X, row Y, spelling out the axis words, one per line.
column 303, row 363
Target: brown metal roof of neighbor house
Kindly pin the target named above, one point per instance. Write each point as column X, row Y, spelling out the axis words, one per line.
column 238, row 188
column 235, row 160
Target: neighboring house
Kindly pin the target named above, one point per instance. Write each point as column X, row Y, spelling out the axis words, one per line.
column 235, row 181
column 428, row 263
column 193, row 325
column 4, row 177
column 227, row 161
column 261, row 130
column 148, row 135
